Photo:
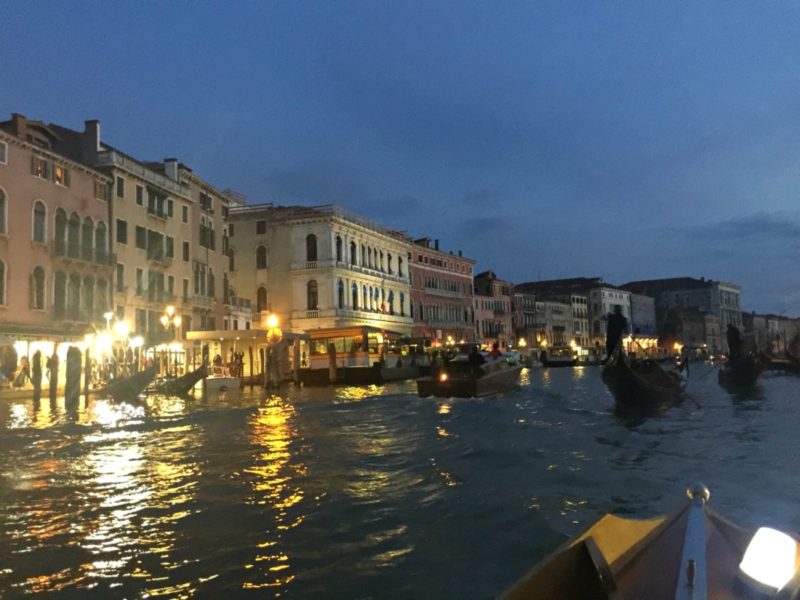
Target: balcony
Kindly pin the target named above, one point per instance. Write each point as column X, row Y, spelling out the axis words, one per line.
column 111, row 158
column 158, row 214
column 445, row 293
column 75, row 252
column 202, row 301
column 331, row 263
column 159, row 259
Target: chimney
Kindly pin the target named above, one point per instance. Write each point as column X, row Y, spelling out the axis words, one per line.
column 18, row 124
column 436, row 244
column 460, row 253
column 90, row 143
column 171, row 168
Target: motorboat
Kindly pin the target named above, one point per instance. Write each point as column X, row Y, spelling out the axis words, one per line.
column 694, row 553
column 221, row 379
column 471, row 376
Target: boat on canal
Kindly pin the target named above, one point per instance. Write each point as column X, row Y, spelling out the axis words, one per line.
column 692, row 553
column 471, row 376
column 558, row 356
column 129, row 388
column 741, row 372
column 221, row 379
column 641, row 383
column 178, row 386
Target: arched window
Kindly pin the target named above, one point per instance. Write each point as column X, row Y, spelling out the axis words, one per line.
column 37, row 288
column 74, row 296
column 227, row 290
column 312, row 296
column 60, row 233
column 101, row 243
column 402, row 304
column 400, row 266
column 261, row 257
column 74, row 236
column 391, row 303
column 60, row 294
column 87, row 311
column 3, row 212
column 341, row 293
column 231, row 259
column 354, row 293
column 353, row 253
column 101, row 297
column 389, row 263
column 338, row 249
column 380, row 264
column 311, row 247
column 369, row 257
column 364, row 298
column 421, row 312
column 87, row 239
column 363, row 255
column 39, row 222
column 261, row 299
column 2, row 283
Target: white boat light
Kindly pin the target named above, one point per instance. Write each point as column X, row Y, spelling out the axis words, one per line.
column 443, row 377
column 770, row 558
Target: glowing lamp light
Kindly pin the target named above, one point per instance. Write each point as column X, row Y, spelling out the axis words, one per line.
column 272, row 321
column 170, row 310
column 122, row 328
column 137, row 342
column 164, row 320
column 177, row 321
column 522, row 343
column 442, row 377
column 770, row 559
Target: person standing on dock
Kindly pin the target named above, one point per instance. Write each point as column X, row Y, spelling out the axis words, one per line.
column 616, row 326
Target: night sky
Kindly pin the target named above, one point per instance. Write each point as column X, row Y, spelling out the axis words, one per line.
column 624, row 140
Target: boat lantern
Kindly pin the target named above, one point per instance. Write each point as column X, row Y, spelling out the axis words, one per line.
column 770, row 561
column 442, row 377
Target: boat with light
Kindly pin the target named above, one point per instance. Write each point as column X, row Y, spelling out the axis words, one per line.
column 741, row 372
column 694, row 553
column 471, row 376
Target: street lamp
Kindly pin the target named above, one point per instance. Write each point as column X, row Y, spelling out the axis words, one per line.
column 274, row 335
column 170, row 320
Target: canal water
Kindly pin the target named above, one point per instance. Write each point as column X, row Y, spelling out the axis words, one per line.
column 366, row 492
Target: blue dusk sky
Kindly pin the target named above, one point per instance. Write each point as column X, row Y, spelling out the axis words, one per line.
column 627, row 140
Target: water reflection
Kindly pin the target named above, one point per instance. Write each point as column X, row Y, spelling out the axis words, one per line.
column 277, row 485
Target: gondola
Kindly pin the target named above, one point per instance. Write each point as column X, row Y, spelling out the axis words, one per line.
column 178, row 386
column 741, row 372
column 692, row 553
column 640, row 384
column 129, row 388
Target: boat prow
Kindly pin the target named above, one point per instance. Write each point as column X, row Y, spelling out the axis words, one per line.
column 693, row 553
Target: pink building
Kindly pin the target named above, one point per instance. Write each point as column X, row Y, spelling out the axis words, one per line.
column 55, row 266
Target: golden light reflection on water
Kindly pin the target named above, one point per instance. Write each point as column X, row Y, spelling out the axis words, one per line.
column 275, row 484
column 351, row 393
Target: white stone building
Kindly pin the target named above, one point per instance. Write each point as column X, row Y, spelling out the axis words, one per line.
column 320, row 267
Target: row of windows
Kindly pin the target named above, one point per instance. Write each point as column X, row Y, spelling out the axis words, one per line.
column 369, row 257
column 75, row 298
column 438, row 262
column 443, row 313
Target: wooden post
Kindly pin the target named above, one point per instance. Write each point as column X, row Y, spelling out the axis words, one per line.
column 332, row 362
column 296, row 360
column 72, row 388
column 52, row 366
column 36, row 375
column 250, row 356
column 87, row 372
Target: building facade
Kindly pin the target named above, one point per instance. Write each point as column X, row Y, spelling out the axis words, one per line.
column 493, row 317
column 320, row 267
column 55, row 265
column 441, row 294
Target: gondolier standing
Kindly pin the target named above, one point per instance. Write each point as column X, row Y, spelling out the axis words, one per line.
column 616, row 326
